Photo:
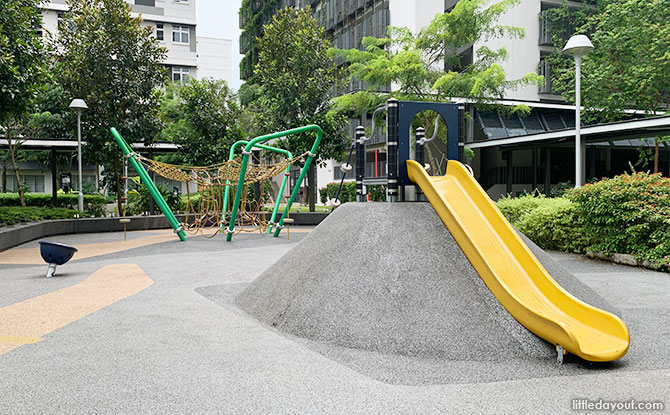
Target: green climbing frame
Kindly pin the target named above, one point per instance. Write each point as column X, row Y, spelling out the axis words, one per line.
column 245, row 162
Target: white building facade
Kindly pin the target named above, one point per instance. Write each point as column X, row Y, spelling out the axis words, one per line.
column 174, row 25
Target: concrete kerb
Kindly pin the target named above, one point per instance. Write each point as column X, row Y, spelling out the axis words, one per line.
column 12, row 236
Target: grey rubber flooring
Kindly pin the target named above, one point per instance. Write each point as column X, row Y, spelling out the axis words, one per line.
column 182, row 346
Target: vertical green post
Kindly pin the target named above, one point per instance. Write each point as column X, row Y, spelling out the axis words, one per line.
column 150, row 185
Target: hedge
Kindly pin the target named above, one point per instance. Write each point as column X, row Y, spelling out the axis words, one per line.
column 44, row 200
column 550, row 223
column 628, row 214
column 10, row 215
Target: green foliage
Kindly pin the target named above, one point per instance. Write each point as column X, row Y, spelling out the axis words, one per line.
column 201, row 116
column 21, row 56
column 516, row 208
column 296, row 78
column 10, row 215
column 550, row 223
column 630, row 63
column 95, row 204
column 414, row 62
column 348, row 193
column 377, row 193
column 255, row 15
column 628, row 214
column 139, row 201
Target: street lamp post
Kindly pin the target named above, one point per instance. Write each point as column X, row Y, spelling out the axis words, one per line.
column 578, row 46
column 79, row 105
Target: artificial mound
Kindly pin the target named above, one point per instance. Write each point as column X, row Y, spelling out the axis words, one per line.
column 390, row 278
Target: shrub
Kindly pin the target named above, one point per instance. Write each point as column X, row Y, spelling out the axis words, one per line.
column 377, row 193
column 348, row 193
column 93, row 203
column 550, row 223
column 10, row 215
column 139, row 200
column 628, row 214
column 515, row 208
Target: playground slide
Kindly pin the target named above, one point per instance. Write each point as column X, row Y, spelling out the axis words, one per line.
column 512, row 272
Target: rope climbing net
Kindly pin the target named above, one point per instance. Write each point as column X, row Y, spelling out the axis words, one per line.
column 215, row 186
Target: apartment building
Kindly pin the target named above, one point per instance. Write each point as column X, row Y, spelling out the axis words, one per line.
column 188, row 56
column 523, row 167
column 174, row 25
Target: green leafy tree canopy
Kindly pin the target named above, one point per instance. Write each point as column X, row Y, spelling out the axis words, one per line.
column 201, row 116
column 297, row 77
column 416, row 62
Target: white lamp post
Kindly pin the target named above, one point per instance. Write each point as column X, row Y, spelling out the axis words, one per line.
column 578, row 46
column 79, row 105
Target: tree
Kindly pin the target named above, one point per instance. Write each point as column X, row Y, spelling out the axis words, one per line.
column 201, row 116
column 297, row 77
column 20, row 73
column 415, row 63
column 630, row 64
column 106, row 57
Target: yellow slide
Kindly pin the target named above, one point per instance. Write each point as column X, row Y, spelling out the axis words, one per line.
column 512, row 272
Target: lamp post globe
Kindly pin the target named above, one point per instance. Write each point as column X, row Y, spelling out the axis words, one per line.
column 578, row 46
column 79, row 105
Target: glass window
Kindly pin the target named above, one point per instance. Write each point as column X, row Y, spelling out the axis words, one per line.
column 181, row 74
column 31, row 183
column 160, row 31
column 180, row 34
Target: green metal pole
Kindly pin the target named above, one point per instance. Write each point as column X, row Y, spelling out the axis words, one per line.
column 231, row 156
column 245, row 161
column 150, row 185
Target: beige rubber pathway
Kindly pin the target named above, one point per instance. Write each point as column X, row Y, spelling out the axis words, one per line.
column 30, row 320
column 31, row 256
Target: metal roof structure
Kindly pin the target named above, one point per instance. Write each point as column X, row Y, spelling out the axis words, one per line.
column 600, row 133
column 53, row 144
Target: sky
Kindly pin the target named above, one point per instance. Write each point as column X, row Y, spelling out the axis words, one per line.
column 219, row 18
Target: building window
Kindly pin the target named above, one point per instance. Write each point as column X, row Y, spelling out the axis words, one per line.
column 180, row 34
column 160, row 31
column 31, row 183
column 60, row 20
column 181, row 74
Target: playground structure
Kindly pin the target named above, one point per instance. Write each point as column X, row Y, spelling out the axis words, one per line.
column 214, row 210
column 504, row 262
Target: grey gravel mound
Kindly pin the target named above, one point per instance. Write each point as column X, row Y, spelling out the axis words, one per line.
column 390, row 278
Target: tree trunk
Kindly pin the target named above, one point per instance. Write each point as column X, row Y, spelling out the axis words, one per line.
column 657, row 154
column 12, row 154
column 311, row 183
column 4, row 177
column 119, row 200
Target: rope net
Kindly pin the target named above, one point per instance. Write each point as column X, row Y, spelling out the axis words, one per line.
column 204, row 208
